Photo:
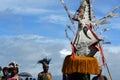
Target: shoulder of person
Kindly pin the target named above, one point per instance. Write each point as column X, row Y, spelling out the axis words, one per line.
column 40, row 73
column 105, row 77
column 18, row 77
column 50, row 74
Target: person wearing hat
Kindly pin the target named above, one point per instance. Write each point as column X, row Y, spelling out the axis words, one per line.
column 45, row 75
column 13, row 70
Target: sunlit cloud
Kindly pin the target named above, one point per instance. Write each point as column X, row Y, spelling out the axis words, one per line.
column 27, row 6
column 65, row 52
column 26, row 11
column 56, row 19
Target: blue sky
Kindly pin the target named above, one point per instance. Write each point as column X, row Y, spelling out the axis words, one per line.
column 33, row 29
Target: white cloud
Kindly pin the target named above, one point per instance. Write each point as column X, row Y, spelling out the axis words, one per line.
column 33, row 11
column 65, row 52
column 26, row 50
column 113, row 49
column 27, row 6
column 56, row 19
column 26, row 11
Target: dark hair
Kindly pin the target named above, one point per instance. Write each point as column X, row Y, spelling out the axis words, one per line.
column 11, row 69
column 5, row 68
column 44, row 60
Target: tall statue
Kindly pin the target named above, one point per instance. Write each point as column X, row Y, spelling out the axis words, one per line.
column 85, row 40
column 85, row 43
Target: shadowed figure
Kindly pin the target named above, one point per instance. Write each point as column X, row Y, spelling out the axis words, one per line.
column 100, row 76
column 76, row 76
column 45, row 75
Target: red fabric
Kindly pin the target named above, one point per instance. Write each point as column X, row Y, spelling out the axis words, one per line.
column 102, row 55
column 75, row 19
column 93, row 45
column 100, row 47
column 73, row 50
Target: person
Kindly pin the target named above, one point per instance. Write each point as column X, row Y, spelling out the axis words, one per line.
column 13, row 69
column 76, row 76
column 1, row 74
column 5, row 73
column 45, row 75
column 100, row 76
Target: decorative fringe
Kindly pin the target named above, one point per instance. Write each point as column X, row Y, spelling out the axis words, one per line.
column 81, row 64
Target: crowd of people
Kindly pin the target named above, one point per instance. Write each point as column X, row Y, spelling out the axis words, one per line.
column 11, row 71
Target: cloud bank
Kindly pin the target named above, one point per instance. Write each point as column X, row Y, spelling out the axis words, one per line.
column 26, row 50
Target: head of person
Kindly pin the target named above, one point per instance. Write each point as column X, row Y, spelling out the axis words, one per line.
column 13, row 68
column 45, row 63
column 45, row 67
column 5, row 71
